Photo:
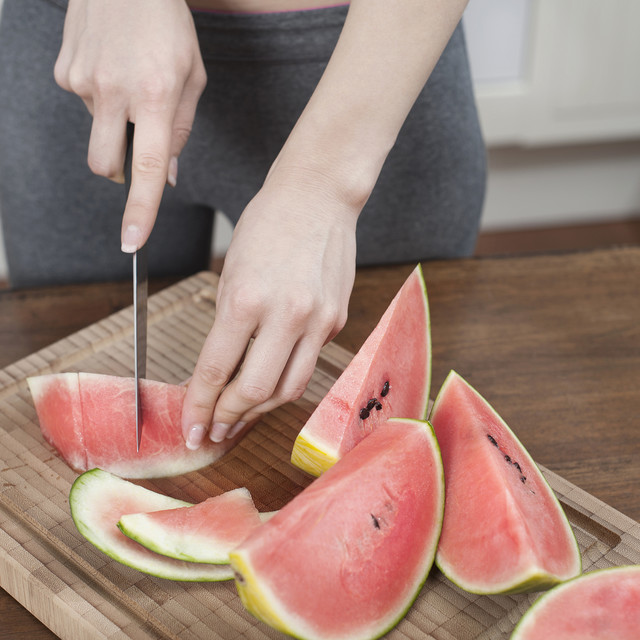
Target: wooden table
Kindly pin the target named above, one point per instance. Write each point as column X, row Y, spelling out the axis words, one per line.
column 552, row 341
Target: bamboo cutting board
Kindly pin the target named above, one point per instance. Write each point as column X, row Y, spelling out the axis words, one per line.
column 80, row 593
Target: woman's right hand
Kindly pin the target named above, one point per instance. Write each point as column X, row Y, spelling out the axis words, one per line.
column 134, row 61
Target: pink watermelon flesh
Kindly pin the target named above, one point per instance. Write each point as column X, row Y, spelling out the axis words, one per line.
column 90, row 419
column 99, row 499
column 503, row 530
column 601, row 605
column 390, row 376
column 347, row 556
column 203, row 532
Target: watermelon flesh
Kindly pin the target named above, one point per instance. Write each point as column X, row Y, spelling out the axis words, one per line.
column 90, row 419
column 504, row 530
column 99, row 499
column 204, row 532
column 347, row 556
column 390, row 376
column 601, row 605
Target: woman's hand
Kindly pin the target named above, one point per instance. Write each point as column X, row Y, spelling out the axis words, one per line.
column 138, row 61
column 286, row 283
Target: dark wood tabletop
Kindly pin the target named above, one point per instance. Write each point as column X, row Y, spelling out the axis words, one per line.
column 552, row 341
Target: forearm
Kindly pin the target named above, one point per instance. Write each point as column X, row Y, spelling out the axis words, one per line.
column 383, row 58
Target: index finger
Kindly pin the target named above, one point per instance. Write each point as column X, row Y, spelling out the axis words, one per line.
column 149, row 169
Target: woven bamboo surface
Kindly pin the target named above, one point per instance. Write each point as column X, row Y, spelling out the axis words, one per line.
column 80, row 593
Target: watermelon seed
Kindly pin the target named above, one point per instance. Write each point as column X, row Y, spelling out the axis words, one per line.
column 492, row 440
column 523, row 479
column 508, row 459
column 517, row 466
column 364, row 413
column 372, row 403
column 378, row 406
column 376, row 522
column 385, row 389
column 239, row 577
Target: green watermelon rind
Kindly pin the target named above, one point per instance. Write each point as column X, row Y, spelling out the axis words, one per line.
column 287, row 619
column 90, row 487
column 535, row 581
column 559, row 589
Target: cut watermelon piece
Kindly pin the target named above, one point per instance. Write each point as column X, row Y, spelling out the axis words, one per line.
column 504, row 530
column 348, row 555
column 90, row 419
column 204, row 532
column 99, row 499
column 390, row 376
column 601, row 605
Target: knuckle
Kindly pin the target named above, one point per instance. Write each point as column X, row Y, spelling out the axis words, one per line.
column 301, row 308
column 149, row 162
column 101, row 166
column 213, row 376
column 253, row 394
column 243, row 303
column 157, row 86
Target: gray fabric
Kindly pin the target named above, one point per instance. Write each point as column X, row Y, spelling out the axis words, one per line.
column 62, row 224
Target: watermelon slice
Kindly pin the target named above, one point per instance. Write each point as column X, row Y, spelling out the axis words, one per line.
column 601, row 605
column 99, row 499
column 204, row 532
column 90, row 419
column 347, row 556
column 390, row 376
column 504, row 530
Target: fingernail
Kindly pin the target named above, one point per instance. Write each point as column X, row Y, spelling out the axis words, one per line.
column 236, row 429
column 195, row 436
column 131, row 239
column 172, row 177
column 218, row 431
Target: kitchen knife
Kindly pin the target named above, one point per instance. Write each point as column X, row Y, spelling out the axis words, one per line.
column 139, row 302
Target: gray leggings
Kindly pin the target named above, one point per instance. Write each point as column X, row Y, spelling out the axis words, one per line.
column 62, row 224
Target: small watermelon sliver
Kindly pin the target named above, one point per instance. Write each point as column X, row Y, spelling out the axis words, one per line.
column 390, row 376
column 601, row 605
column 504, row 530
column 204, row 532
column 348, row 555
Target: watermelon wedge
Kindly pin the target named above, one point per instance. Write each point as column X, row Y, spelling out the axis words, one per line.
column 601, row 605
column 390, row 376
column 203, row 532
column 90, row 419
column 504, row 530
column 99, row 499
column 347, row 556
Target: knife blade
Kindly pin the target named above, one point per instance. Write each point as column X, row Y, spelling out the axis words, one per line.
column 139, row 330
column 140, row 287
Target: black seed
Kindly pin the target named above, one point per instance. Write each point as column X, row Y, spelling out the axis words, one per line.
column 523, row 479
column 378, row 406
column 517, row 466
column 376, row 522
column 239, row 577
column 385, row 389
column 507, row 458
column 372, row 403
column 364, row 414
column 492, row 440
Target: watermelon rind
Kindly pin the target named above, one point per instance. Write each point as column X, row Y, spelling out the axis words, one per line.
column 526, row 626
column 533, row 579
column 335, row 426
column 327, row 500
column 94, row 498
column 200, row 543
